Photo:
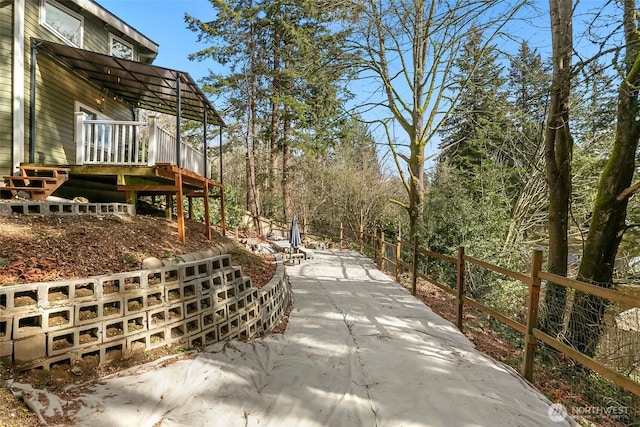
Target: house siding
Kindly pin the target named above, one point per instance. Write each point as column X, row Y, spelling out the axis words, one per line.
column 57, row 89
column 6, row 72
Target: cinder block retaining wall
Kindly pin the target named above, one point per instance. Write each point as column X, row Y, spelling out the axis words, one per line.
column 65, row 208
column 98, row 319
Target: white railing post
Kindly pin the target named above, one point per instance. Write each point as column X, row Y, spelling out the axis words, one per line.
column 80, row 137
column 154, row 130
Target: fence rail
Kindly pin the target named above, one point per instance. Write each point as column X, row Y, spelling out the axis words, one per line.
column 375, row 244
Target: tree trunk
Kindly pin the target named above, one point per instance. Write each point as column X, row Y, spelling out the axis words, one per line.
column 610, row 207
column 274, row 152
column 286, row 165
column 253, row 194
column 558, row 153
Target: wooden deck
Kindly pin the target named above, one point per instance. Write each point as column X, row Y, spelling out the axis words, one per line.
column 129, row 182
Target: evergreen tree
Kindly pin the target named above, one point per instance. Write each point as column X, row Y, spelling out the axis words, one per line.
column 473, row 133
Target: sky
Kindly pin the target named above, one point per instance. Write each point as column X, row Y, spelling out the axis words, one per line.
column 162, row 21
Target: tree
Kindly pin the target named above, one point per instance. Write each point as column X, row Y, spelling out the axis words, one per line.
column 286, row 72
column 234, row 44
column 607, row 225
column 473, row 132
column 529, row 85
column 557, row 154
column 410, row 47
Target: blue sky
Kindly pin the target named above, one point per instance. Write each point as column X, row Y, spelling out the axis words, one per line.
column 163, row 22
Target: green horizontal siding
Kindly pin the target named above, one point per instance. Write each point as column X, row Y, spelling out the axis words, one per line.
column 6, row 101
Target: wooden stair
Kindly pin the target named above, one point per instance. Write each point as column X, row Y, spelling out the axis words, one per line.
column 38, row 181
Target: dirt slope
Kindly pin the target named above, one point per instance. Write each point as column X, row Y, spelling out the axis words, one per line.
column 38, row 249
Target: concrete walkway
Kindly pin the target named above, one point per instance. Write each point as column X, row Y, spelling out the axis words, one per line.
column 359, row 350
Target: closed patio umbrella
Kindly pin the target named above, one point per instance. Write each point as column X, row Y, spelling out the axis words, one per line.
column 294, row 234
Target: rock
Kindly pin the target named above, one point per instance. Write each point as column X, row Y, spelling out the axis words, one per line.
column 151, row 263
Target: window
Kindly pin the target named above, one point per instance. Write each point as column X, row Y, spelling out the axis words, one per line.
column 63, row 22
column 120, row 48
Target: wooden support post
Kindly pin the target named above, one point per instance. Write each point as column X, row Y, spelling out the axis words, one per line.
column 530, row 341
column 130, row 197
column 414, row 272
column 168, row 206
column 207, row 219
column 361, row 237
column 341, row 236
column 223, row 227
column 398, row 257
column 182, row 235
column 460, row 286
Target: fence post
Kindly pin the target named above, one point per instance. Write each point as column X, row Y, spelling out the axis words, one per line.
column 460, row 286
column 414, row 273
column 341, row 235
column 530, row 341
column 398, row 257
column 361, row 237
column 375, row 245
column 382, row 251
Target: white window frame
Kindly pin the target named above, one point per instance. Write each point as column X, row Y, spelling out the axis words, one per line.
column 113, row 37
column 44, row 23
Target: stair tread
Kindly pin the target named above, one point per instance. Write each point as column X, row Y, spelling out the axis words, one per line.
column 30, row 178
column 28, row 189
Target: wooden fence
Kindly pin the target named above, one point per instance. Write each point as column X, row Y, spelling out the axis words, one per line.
column 376, row 245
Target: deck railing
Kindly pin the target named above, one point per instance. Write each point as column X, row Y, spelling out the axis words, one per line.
column 133, row 143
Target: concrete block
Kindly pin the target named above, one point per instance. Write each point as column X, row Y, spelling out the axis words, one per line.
column 210, row 335
column 175, row 312
column 111, row 307
column 229, row 328
column 157, row 338
column 87, row 312
column 177, row 332
column 114, row 329
column 27, row 324
column 208, row 319
column 91, row 356
column 6, row 352
column 136, row 343
column 220, row 262
column 113, row 350
column 223, row 295
column 220, row 314
column 135, row 323
column 196, row 340
column 242, row 285
column 89, row 335
column 122, row 282
column 60, row 342
column 191, row 307
column 157, row 317
column 6, row 328
column 231, row 274
column 58, row 318
column 204, row 286
column 64, row 208
column 192, row 326
column 60, row 362
column 20, row 297
column 31, row 348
